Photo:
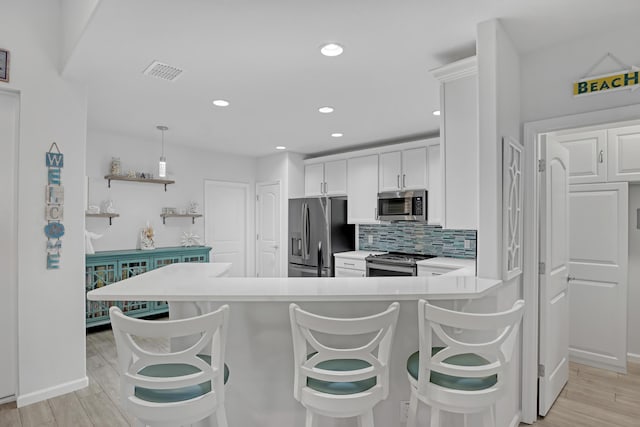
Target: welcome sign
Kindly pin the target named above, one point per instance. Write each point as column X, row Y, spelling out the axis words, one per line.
column 619, row 80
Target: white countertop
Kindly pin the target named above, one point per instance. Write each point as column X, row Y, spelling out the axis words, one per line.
column 202, row 282
column 361, row 255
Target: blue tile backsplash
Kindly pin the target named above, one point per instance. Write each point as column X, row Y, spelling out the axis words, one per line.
column 417, row 238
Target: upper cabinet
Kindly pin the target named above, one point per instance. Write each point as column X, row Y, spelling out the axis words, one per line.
column 362, row 174
column 624, row 153
column 587, row 154
column 602, row 153
column 459, row 143
column 403, row 170
column 325, row 179
column 362, row 197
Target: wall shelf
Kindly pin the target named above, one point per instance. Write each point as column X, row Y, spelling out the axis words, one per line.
column 164, row 182
column 192, row 216
column 103, row 215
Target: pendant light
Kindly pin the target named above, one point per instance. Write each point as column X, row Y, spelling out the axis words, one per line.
column 162, row 165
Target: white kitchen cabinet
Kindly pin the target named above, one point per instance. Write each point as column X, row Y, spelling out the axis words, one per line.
column 459, row 143
column 362, row 191
column 587, row 155
column 390, row 171
column 349, row 267
column 325, row 179
column 434, row 197
column 624, row 153
column 403, row 170
column 428, row 271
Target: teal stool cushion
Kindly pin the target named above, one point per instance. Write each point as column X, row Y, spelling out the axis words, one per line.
column 337, row 387
column 174, row 370
column 448, row 381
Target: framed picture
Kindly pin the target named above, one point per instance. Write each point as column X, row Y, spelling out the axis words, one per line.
column 4, row 65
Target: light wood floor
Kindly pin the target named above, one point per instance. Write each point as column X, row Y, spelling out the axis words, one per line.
column 592, row 398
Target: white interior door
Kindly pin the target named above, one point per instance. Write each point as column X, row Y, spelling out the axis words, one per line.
column 268, row 230
column 9, row 110
column 226, row 223
column 554, row 253
column 598, row 264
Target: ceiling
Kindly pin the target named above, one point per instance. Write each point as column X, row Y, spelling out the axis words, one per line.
column 263, row 57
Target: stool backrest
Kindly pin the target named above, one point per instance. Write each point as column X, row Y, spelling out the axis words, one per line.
column 305, row 324
column 132, row 358
column 497, row 350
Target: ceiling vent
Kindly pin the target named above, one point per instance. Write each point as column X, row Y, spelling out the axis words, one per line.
column 163, row 71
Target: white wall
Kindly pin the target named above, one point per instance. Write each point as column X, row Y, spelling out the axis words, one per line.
column 51, row 340
column 288, row 169
column 499, row 116
column 548, row 74
column 138, row 203
column 633, row 345
column 76, row 14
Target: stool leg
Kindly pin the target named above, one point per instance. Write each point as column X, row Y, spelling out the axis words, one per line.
column 221, row 417
column 311, row 419
column 435, row 417
column 413, row 409
column 488, row 417
column 366, row 419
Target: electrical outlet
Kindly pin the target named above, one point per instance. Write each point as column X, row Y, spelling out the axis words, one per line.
column 370, row 238
column 404, row 411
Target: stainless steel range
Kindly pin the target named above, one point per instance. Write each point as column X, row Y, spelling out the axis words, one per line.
column 394, row 264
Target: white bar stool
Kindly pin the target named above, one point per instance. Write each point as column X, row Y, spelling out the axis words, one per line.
column 463, row 376
column 341, row 382
column 174, row 388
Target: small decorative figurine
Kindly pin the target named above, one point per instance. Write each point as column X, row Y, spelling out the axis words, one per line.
column 146, row 238
column 88, row 245
column 93, row 209
column 190, row 239
column 107, row 207
column 194, row 207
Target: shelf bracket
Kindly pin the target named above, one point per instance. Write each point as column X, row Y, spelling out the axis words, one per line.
column 164, row 219
column 193, row 220
column 109, row 183
column 165, row 188
column 110, row 218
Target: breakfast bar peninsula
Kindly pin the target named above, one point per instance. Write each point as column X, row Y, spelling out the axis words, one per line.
column 259, row 344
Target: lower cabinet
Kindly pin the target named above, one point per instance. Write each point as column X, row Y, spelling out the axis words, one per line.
column 349, row 267
column 105, row 268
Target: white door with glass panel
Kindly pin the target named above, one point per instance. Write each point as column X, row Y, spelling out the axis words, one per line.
column 553, row 352
column 226, row 223
column 598, row 263
column 268, row 230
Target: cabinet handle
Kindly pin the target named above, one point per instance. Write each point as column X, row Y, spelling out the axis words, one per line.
column 398, row 181
column 321, row 186
column 601, row 157
column 326, row 186
column 404, row 179
column 348, row 263
column 375, row 213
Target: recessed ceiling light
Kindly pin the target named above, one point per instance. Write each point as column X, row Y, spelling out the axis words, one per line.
column 326, row 110
column 336, row 135
column 331, row 49
column 281, row 147
column 221, row 103
column 436, row 112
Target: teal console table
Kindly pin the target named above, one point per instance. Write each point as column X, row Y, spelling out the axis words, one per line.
column 106, row 267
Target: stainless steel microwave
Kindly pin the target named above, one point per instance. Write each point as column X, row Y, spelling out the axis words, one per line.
column 402, row 206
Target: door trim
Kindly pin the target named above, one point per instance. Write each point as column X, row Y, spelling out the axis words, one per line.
column 532, row 130
column 283, row 226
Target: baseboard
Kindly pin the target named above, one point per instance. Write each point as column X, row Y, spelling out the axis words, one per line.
column 515, row 422
column 48, row 393
column 593, row 360
column 7, row 399
column 632, row 357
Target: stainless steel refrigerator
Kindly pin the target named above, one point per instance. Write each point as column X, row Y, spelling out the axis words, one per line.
column 317, row 229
